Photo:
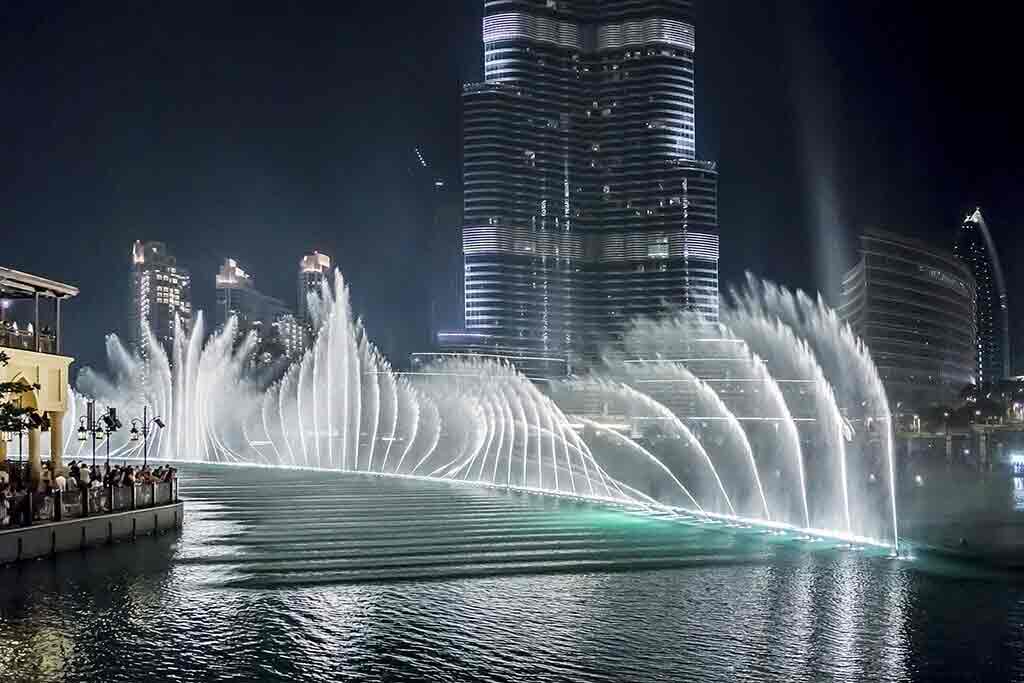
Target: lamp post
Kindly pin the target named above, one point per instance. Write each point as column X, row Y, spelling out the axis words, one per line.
column 145, row 422
column 104, row 425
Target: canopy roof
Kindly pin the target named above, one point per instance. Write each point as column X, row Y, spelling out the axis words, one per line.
column 15, row 284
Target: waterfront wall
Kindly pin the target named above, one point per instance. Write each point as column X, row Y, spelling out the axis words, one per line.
column 44, row 540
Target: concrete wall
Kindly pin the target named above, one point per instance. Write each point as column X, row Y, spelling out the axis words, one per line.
column 41, row 540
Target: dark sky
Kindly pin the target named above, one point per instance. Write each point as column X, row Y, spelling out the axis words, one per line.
column 264, row 131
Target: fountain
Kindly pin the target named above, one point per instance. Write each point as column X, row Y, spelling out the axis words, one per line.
column 751, row 420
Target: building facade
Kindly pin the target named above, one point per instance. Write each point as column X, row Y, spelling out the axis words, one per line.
column 914, row 307
column 161, row 296
column 237, row 296
column 35, row 360
column 291, row 333
column 975, row 247
column 584, row 203
column 279, row 332
column 314, row 271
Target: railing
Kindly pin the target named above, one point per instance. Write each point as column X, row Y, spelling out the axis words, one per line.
column 24, row 509
column 23, row 339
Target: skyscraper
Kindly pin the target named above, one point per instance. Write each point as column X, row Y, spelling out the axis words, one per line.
column 237, row 296
column 974, row 246
column 278, row 332
column 161, row 294
column 914, row 306
column 314, row 270
column 584, row 203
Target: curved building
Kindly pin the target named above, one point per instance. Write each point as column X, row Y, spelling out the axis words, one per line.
column 914, row 306
column 584, row 203
column 975, row 248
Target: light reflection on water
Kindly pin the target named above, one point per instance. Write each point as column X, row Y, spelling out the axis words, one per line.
column 276, row 577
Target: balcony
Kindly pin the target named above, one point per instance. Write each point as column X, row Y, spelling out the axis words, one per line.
column 14, row 335
column 30, row 315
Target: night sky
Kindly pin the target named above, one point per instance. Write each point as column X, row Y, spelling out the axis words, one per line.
column 263, row 132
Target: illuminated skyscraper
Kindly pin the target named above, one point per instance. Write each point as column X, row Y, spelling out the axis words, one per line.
column 237, row 296
column 161, row 294
column 975, row 247
column 278, row 331
column 314, row 271
column 584, row 203
column 914, row 306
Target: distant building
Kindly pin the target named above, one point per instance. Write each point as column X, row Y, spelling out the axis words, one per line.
column 291, row 333
column 975, row 247
column 278, row 331
column 914, row 306
column 314, row 271
column 237, row 296
column 161, row 295
column 584, row 203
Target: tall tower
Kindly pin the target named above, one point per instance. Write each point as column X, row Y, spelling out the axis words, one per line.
column 975, row 247
column 237, row 296
column 278, row 332
column 313, row 273
column 161, row 294
column 584, row 203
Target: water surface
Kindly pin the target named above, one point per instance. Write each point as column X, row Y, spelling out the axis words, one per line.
column 306, row 576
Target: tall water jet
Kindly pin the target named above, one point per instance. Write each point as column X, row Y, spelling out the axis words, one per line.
column 847, row 362
column 687, row 407
column 641, row 416
column 719, row 424
column 790, row 356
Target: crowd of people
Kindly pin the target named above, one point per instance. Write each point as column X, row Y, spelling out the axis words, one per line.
column 81, row 476
column 14, row 484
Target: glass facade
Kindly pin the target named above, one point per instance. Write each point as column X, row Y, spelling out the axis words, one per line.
column 161, row 294
column 976, row 249
column 278, row 332
column 914, row 306
column 584, row 203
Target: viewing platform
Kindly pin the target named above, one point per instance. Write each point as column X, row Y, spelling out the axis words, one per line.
column 44, row 524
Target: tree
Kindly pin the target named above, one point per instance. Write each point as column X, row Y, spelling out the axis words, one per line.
column 14, row 417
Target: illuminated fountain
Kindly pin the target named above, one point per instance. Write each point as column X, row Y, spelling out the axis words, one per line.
column 752, row 421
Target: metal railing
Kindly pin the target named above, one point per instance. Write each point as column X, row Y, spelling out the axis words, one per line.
column 16, row 338
column 25, row 509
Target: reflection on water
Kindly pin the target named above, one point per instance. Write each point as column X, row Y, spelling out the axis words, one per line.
column 294, row 576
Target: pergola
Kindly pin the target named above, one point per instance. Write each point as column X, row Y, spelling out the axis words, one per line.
column 16, row 285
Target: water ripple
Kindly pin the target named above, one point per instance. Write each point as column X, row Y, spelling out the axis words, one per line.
column 309, row 577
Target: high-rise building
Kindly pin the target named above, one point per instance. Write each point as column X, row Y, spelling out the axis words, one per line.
column 314, row 271
column 278, row 331
column 161, row 295
column 584, row 203
column 237, row 296
column 291, row 333
column 974, row 246
column 914, row 307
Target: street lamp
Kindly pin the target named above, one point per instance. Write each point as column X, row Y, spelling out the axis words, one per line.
column 100, row 427
column 145, row 422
